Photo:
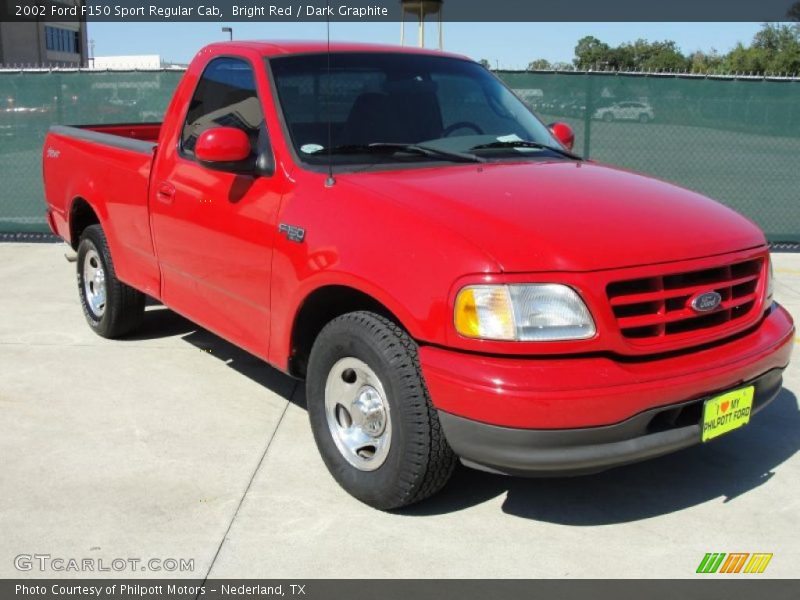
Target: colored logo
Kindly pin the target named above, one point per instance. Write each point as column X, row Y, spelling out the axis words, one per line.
column 734, row 562
column 705, row 302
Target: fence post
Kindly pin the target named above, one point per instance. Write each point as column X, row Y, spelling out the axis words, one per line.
column 587, row 115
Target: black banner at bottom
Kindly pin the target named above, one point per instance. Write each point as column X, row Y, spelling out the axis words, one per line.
column 403, row 589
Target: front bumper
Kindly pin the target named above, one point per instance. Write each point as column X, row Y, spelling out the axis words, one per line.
column 566, row 392
column 587, row 413
column 649, row 434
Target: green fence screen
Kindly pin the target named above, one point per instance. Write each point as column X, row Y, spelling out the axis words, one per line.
column 734, row 139
column 31, row 101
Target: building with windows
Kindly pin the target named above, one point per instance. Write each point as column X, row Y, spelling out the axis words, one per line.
column 38, row 44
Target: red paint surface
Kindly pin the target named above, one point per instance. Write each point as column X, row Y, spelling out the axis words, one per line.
column 222, row 144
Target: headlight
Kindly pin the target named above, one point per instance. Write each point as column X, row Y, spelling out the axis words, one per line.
column 534, row 312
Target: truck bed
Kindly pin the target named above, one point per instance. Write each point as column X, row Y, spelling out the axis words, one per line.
column 139, row 137
column 107, row 168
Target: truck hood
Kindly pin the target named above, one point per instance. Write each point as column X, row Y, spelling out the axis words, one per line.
column 566, row 216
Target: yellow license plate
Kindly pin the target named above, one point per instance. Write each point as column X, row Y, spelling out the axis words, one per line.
column 727, row 412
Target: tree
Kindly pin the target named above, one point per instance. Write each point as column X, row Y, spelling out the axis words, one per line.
column 775, row 49
column 743, row 59
column 780, row 47
column 663, row 56
column 648, row 56
column 563, row 66
column 775, row 38
column 702, row 62
column 540, row 64
column 591, row 53
column 485, row 63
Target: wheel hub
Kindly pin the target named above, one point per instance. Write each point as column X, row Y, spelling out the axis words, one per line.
column 357, row 414
column 94, row 282
column 369, row 412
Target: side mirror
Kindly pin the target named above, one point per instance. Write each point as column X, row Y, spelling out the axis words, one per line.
column 224, row 148
column 563, row 133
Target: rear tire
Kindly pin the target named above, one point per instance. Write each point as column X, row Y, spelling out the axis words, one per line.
column 371, row 415
column 111, row 308
column 644, row 118
column 608, row 117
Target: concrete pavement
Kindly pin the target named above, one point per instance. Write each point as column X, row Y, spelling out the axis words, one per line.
column 175, row 444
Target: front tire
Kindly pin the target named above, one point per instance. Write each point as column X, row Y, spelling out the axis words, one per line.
column 371, row 415
column 111, row 308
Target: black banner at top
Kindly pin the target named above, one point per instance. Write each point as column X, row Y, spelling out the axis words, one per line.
column 395, row 10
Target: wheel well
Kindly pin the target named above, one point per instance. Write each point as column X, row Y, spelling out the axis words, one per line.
column 320, row 308
column 81, row 215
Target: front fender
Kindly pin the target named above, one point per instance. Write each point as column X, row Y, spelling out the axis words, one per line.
column 363, row 241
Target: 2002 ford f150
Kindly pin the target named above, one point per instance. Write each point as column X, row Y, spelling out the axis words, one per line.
column 396, row 227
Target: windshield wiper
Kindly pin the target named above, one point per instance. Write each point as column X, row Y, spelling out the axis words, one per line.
column 524, row 144
column 391, row 148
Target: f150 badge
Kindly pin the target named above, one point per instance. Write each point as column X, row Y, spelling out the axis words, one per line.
column 294, row 234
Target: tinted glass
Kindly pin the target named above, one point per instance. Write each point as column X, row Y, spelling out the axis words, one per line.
column 396, row 98
column 225, row 97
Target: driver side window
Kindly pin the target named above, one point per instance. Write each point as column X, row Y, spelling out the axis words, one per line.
column 225, row 97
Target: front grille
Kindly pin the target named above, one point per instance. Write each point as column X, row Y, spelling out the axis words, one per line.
column 657, row 308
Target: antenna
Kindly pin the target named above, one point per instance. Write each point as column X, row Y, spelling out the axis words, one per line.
column 330, row 181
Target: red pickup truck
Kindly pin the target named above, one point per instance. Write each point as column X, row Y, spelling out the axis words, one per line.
column 397, row 228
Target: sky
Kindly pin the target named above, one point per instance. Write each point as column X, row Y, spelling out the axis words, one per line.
column 505, row 45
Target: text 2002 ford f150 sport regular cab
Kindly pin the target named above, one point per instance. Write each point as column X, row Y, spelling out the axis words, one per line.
column 397, row 228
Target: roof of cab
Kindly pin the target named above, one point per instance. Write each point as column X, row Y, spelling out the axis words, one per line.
column 284, row 47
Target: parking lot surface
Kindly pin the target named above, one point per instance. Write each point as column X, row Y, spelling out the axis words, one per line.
column 174, row 444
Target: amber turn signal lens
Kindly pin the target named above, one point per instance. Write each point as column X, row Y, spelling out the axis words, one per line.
column 485, row 311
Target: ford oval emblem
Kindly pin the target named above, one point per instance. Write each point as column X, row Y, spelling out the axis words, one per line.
column 705, row 302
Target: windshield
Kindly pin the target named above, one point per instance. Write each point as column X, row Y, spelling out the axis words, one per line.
column 445, row 104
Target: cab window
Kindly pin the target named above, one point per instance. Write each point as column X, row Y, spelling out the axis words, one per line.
column 225, row 97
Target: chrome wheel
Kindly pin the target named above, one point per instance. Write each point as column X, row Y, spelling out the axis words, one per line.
column 94, row 282
column 357, row 413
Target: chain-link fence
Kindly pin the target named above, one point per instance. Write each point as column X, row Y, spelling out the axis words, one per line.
column 31, row 101
column 734, row 139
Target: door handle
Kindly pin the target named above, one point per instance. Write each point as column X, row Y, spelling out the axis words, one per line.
column 165, row 192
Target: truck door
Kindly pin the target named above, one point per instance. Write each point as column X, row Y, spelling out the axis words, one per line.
column 213, row 230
